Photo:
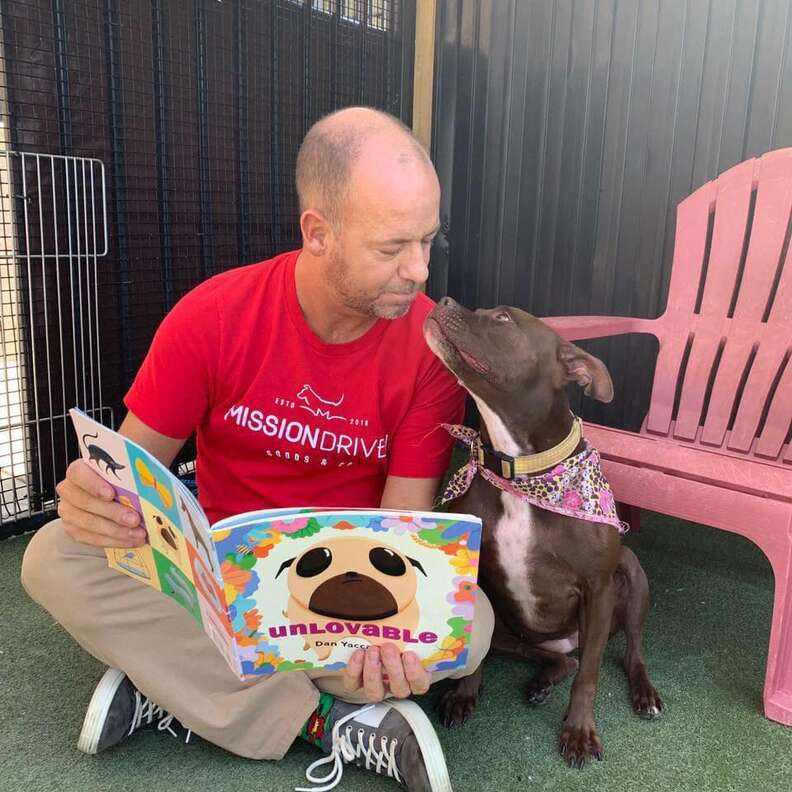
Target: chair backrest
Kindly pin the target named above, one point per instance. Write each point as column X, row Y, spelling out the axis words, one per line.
column 723, row 377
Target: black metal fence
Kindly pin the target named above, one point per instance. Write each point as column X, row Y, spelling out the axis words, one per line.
column 196, row 110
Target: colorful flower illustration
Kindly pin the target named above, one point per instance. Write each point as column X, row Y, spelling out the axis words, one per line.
column 465, row 562
column 606, row 501
column 350, row 522
column 461, row 532
column 267, row 658
column 463, row 597
column 252, row 619
column 289, row 526
column 248, row 654
column 235, row 578
column 404, row 523
column 238, row 612
column 261, row 540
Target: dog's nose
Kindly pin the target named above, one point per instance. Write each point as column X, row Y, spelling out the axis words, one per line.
column 447, row 302
column 352, row 574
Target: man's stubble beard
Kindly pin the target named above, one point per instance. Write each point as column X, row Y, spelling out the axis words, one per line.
column 338, row 275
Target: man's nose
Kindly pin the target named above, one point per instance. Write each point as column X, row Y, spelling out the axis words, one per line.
column 416, row 267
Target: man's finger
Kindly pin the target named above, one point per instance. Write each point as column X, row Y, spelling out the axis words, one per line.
column 95, row 539
column 83, row 476
column 418, row 678
column 76, row 497
column 373, row 685
column 353, row 673
column 96, row 530
column 392, row 666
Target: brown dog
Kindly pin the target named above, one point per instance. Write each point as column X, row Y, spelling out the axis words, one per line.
column 556, row 582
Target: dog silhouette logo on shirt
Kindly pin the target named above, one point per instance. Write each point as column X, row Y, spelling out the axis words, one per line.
column 318, row 406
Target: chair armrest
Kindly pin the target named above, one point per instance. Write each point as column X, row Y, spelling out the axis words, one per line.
column 579, row 328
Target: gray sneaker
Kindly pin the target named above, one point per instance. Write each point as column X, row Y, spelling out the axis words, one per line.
column 117, row 710
column 394, row 739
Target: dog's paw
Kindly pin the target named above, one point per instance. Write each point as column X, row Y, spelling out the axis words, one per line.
column 538, row 692
column 456, row 706
column 579, row 745
column 647, row 703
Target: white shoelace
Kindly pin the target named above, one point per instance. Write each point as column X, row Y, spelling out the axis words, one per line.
column 382, row 761
column 146, row 710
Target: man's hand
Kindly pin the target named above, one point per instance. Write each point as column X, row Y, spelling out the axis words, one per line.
column 86, row 503
column 89, row 513
column 384, row 671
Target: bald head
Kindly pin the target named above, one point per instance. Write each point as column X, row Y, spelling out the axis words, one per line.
column 336, row 143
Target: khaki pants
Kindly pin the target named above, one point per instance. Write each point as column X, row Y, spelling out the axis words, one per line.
column 127, row 625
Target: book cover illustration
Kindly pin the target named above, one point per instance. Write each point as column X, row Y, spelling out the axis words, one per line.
column 298, row 588
column 338, row 580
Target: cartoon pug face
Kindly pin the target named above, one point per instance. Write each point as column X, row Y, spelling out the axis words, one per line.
column 166, row 538
column 167, row 533
column 351, row 579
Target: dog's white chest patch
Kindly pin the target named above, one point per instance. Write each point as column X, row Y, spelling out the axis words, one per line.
column 514, row 538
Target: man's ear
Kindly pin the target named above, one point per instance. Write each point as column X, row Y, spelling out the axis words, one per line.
column 316, row 232
column 589, row 372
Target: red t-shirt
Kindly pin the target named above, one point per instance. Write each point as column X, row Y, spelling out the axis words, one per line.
column 282, row 418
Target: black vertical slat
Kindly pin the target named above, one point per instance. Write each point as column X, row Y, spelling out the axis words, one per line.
column 241, row 106
column 274, row 133
column 306, row 66
column 9, row 67
column 387, row 36
column 442, row 127
column 205, row 231
column 62, row 72
column 336, row 21
column 66, row 148
column 163, row 200
column 119, row 187
column 361, row 72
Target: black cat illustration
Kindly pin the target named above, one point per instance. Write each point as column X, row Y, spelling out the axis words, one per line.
column 98, row 455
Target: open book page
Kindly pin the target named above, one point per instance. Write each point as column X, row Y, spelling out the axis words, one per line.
column 179, row 558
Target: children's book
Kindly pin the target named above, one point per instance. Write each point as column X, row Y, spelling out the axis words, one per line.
column 300, row 588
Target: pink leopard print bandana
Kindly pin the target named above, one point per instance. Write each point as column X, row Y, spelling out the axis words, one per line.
column 575, row 487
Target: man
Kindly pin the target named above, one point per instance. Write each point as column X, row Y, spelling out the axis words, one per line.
column 330, row 337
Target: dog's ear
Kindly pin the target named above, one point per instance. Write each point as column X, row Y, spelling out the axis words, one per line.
column 589, row 372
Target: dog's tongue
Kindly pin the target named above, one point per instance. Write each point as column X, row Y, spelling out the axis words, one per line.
column 477, row 365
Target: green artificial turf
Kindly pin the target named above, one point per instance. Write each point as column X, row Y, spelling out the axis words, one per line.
column 706, row 644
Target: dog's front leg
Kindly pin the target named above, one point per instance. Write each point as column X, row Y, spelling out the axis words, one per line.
column 579, row 738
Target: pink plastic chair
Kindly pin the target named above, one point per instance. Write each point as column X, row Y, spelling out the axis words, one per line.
column 722, row 456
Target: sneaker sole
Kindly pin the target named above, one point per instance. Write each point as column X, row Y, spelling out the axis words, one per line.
column 432, row 752
column 98, row 708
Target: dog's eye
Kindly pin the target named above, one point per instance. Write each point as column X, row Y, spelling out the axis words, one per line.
column 387, row 562
column 314, row 562
column 503, row 316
